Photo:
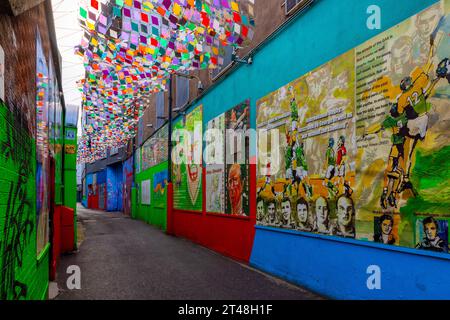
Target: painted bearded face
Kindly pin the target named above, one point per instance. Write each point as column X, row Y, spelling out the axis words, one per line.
column 235, row 185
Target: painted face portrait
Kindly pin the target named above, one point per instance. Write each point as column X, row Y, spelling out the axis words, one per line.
column 427, row 21
column 260, row 210
column 386, row 227
column 401, row 56
column 271, row 211
column 302, row 213
column 286, row 210
column 345, row 211
column 322, row 211
column 430, row 230
column 235, row 187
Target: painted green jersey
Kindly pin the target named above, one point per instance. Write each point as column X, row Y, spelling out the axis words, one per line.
column 331, row 157
column 301, row 159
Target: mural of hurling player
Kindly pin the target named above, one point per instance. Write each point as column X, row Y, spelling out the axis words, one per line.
column 408, row 120
column 330, row 167
column 431, row 241
column 386, row 225
column 295, row 159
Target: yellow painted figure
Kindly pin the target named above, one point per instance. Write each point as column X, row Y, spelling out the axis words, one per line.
column 408, row 120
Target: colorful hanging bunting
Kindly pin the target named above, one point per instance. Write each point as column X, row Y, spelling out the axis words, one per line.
column 130, row 48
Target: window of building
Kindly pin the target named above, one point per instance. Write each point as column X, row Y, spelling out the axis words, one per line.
column 160, row 101
column 182, row 96
column 227, row 60
column 294, row 5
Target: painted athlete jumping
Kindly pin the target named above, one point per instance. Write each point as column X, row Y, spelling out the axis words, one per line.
column 408, row 119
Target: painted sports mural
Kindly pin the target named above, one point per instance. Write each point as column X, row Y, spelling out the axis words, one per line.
column 187, row 162
column 155, row 149
column 227, row 166
column 357, row 147
column 215, row 165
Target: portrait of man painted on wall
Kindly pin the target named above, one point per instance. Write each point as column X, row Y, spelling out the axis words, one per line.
column 260, row 211
column 425, row 22
column 303, row 215
column 271, row 213
column 433, row 234
column 345, row 226
column 401, row 58
column 385, row 226
column 286, row 212
column 237, row 202
column 322, row 210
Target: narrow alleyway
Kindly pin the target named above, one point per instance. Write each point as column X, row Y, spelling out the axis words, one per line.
column 121, row 258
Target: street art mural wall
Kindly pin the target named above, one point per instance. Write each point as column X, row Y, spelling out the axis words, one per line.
column 159, row 188
column 357, row 147
column 227, row 163
column 127, row 185
column 114, row 178
column 42, row 147
column 402, row 130
column 187, row 162
column 155, row 149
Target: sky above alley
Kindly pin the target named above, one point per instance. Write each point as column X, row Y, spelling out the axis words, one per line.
column 69, row 33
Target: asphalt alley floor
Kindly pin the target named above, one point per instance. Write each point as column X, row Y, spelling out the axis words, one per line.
column 122, row 258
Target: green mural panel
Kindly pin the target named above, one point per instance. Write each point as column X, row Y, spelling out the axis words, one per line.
column 186, row 164
column 155, row 212
column 23, row 276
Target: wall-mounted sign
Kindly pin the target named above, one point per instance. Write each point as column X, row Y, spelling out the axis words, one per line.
column 145, row 192
column 70, row 135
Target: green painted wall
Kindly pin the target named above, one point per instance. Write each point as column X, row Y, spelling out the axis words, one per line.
column 155, row 213
column 23, row 275
column 70, row 173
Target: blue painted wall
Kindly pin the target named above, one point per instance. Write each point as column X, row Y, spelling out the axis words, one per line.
column 114, row 187
column 331, row 266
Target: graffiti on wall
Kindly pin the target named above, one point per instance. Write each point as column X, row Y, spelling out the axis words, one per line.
column 18, row 219
column 187, row 163
column 357, row 147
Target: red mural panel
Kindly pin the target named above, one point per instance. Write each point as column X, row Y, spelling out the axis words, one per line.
column 230, row 235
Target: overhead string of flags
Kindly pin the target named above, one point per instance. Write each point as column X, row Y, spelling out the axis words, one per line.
column 131, row 47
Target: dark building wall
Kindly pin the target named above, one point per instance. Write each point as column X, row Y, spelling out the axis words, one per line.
column 269, row 15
